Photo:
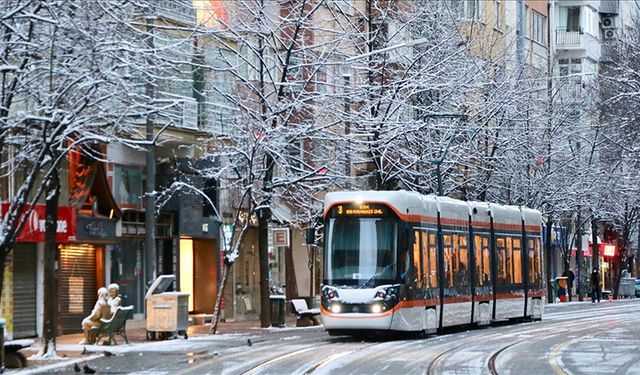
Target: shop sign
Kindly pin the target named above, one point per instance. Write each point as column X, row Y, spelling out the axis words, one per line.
column 280, row 237
column 608, row 250
column 33, row 229
column 93, row 227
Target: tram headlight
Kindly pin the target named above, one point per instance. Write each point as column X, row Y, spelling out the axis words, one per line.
column 376, row 308
column 330, row 293
column 335, row 308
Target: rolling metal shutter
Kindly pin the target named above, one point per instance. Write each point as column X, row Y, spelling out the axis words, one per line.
column 24, row 291
column 77, row 286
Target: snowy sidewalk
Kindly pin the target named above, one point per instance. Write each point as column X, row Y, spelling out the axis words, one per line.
column 69, row 352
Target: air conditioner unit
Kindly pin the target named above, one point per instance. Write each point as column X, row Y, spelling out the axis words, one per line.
column 609, row 34
column 608, row 22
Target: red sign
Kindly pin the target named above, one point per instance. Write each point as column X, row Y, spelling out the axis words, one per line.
column 33, row 230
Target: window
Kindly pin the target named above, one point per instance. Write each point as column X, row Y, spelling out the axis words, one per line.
column 448, row 261
column 469, row 9
column 416, row 260
column 483, row 260
column 433, row 264
column 569, row 18
column 463, row 258
column 517, row 261
column 535, row 262
column 497, row 14
column 424, row 249
column 538, row 22
column 570, row 76
column 504, row 252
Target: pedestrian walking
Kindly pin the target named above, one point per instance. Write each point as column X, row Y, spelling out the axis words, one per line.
column 596, row 291
column 570, row 278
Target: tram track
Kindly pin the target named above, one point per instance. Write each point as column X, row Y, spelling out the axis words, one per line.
column 256, row 349
column 485, row 346
column 492, row 359
column 533, row 331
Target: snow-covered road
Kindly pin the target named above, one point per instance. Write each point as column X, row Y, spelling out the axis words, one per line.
column 575, row 338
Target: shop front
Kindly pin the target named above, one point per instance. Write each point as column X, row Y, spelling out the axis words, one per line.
column 198, row 256
column 22, row 295
column 84, row 267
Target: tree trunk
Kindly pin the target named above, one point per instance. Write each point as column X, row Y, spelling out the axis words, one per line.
column 50, row 258
column 225, row 275
column 217, row 309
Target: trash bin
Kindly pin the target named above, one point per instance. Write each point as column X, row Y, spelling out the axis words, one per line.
column 167, row 312
column 561, row 288
column 277, row 310
column 627, row 287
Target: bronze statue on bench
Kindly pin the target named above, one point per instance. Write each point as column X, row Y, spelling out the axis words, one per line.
column 101, row 310
column 116, row 326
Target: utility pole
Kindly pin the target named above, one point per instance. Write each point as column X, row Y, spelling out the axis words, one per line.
column 547, row 258
column 595, row 251
column 579, row 257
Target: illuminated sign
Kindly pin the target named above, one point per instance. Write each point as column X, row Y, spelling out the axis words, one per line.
column 609, row 250
column 360, row 209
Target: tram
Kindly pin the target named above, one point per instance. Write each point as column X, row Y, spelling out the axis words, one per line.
column 402, row 261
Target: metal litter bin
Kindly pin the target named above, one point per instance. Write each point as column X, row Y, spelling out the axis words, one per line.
column 627, row 287
column 277, row 310
column 167, row 312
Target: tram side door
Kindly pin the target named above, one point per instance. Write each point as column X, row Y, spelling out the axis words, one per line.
column 425, row 264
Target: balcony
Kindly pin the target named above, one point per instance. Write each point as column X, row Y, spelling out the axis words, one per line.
column 578, row 41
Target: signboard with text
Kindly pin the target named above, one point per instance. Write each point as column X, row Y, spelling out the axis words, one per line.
column 280, row 237
column 33, row 230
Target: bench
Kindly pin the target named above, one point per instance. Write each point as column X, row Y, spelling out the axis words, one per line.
column 116, row 326
column 306, row 316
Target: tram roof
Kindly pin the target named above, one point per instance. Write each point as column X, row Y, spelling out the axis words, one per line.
column 409, row 202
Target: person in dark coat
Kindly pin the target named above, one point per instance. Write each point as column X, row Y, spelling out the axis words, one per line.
column 596, row 290
column 570, row 278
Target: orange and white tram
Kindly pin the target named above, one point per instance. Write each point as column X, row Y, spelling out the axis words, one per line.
column 401, row 261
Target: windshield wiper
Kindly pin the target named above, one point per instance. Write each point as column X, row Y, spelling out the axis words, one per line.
column 376, row 275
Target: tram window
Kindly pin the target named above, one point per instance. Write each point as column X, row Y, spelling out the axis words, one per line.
column 502, row 261
column 463, row 270
column 448, row 261
column 416, row 259
column 433, row 264
column 508, row 252
column 532, row 260
column 424, row 249
column 456, row 259
column 538, row 262
column 477, row 245
column 486, row 260
column 517, row 262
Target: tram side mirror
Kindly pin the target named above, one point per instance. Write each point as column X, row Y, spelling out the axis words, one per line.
column 311, row 235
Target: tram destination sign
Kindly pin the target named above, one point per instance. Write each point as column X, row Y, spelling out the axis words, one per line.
column 360, row 209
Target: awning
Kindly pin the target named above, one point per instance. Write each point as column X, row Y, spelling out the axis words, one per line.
column 282, row 214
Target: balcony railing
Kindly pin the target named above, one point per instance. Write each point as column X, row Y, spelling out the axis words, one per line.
column 566, row 38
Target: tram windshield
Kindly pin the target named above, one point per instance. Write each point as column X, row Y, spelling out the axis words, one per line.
column 361, row 252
